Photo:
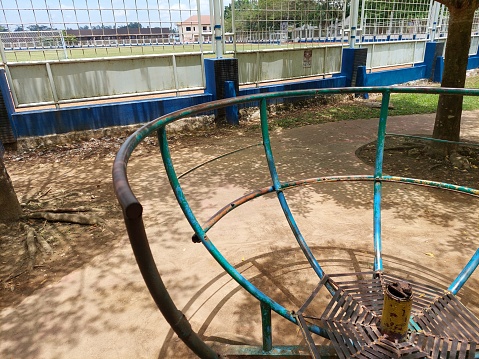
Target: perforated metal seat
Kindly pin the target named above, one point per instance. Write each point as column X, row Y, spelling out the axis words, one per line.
column 440, row 326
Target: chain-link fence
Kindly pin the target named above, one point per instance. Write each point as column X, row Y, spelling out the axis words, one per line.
column 57, row 29
column 443, row 19
column 392, row 20
column 286, row 23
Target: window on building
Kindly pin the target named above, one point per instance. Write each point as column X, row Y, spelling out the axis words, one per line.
column 204, row 28
column 194, row 28
column 188, row 28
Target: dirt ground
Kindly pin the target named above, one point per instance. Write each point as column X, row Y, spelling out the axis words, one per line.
column 410, row 157
column 70, row 185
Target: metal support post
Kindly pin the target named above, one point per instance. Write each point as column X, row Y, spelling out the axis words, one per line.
column 396, row 310
column 266, row 325
column 354, row 22
column 217, row 12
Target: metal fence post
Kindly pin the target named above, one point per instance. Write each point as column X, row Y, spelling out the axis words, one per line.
column 217, row 11
column 354, row 23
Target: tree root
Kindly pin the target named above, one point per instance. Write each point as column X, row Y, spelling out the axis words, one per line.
column 46, row 247
column 64, row 210
column 30, row 242
column 66, row 217
column 34, row 241
column 19, row 273
column 400, row 148
column 14, row 275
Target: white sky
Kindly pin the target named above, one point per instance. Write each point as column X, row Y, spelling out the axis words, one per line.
column 73, row 13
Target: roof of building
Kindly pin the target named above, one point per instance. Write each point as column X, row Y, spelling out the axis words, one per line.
column 205, row 20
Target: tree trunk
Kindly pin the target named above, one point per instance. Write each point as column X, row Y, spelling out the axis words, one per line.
column 10, row 209
column 449, row 108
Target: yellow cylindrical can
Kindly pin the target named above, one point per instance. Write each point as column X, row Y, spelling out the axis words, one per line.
column 397, row 306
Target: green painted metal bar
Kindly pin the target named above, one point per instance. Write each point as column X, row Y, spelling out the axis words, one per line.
column 266, row 327
column 378, row 172
column 201, row 235
column 131, row 143
column 153, row 126
column 441, row 185
column 465, row 274
column 282, row 200
column 267, row 145
column 434, row 139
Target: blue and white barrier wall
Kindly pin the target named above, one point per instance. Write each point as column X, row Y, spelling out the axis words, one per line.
column 97, row 116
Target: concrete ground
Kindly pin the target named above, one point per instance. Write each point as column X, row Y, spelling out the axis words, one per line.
column 104, row 310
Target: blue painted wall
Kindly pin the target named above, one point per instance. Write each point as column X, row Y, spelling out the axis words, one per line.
column 5, row 92
column 432, row 68
column 429, row 59
column 57, row 121
column 338, row 81
column 473, row 62
column 347, row 65
column 390, row 77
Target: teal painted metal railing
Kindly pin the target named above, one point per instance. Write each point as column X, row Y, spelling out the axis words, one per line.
column 378, row 172
column 132, row 209
column 279, row 192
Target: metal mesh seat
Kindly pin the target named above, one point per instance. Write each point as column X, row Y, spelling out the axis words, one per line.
column 440, row 326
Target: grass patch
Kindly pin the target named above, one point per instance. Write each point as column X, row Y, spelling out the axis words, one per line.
column 309, row 113
column 411, row 104
column 318, row 111
column 160, row 49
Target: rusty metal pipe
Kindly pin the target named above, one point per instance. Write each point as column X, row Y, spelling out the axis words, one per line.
column 397, row 306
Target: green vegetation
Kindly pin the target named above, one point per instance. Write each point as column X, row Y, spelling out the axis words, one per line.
column 84, row 53
column 271, row 15
column 309, row 114
column 407, row 104
column 268, row 15
column 337, row 110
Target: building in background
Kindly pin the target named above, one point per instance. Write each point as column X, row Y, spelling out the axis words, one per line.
column 189, row 30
